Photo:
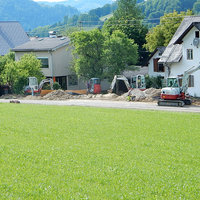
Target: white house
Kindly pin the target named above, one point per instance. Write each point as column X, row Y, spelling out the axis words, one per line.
column 183, row 52
column 56, row 57
column 154, row 68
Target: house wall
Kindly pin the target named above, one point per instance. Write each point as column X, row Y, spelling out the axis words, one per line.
column 185, row 64
column 59, row 65
column 62, row 59
column 151, row 66
column 46, row 71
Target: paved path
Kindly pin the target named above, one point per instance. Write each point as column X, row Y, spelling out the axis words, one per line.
column 110, row 104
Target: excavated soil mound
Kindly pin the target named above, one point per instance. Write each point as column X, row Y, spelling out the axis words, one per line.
column 57, row 95
column 150, row 94
column 62, row 95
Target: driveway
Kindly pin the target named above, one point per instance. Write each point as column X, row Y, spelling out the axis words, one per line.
column 110, row 104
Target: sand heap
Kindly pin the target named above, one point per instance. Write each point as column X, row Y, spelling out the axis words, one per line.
column 150, row 94
column 62, row 95
column 57, row 95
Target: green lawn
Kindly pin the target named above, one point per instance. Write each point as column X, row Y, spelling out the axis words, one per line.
column 57, row 152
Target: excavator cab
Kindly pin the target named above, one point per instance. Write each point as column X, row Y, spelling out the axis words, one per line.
column 32, row 86
column 138, row 82
column 95, row 86
column 172, row 82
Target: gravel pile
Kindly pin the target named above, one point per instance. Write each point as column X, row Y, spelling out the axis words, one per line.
column 12, row 96
column 57, row 95
column 150, row 94
column 62, row 95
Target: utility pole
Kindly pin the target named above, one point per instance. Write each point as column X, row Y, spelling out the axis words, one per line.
column 80, row 25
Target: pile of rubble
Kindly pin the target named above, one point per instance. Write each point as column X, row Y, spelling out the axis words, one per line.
column 58, row 95
column 63, row 95
column 150, row 94
column 12, row 96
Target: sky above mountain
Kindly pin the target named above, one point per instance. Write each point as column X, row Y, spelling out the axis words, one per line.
column 49, row 0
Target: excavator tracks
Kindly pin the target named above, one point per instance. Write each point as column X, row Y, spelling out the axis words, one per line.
column 175, row 103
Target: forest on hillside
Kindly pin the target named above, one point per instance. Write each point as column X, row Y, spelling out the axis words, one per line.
column 31, row 15
column 43, row 17
column 157, row 8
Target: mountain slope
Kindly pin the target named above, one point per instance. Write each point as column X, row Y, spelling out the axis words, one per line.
column 157, row 8
column 30, row 14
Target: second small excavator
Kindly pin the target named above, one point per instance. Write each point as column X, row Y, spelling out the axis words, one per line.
column 175, row 94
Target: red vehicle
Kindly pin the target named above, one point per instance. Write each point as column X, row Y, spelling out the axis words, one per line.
column 175, row 94
column 95, row 86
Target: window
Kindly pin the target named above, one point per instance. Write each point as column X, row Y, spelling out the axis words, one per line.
column 189, row 54
column 196, row 34
column 44, row 62
column 158, row 67
column 191, row 81
column 172, row 82
column 161, row 68
column 72, row 80
column 62, row 81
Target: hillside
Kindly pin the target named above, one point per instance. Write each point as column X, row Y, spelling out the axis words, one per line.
column 81, row 5
column 31, row 14
column 157, row 8
column 87, row 21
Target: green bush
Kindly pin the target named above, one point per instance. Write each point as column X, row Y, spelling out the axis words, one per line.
column 154, row 82
column 46, row 87
column 56, row 86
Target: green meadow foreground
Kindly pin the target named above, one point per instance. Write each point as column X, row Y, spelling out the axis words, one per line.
column 57, row 152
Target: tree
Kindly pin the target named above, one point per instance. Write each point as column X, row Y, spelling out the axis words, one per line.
column 158, row 8
column 128, row 19
column 196, row 7
column 15, row 74
column 4, row 60
column 101, row 55
column 120, row 52
column 163, row 33
column 88, row 53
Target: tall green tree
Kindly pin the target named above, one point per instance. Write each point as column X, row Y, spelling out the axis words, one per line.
column 88, row 53
column 163, row 33
column 128, row 19
column 97, row 54
column 120, row 53
column 10, row 57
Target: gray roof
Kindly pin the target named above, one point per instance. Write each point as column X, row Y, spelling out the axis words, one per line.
column 160, row 49
column 173, row 52
column 11, row 35
column 43, row 44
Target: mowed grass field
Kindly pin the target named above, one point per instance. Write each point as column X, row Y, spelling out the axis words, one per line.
column 57, row 152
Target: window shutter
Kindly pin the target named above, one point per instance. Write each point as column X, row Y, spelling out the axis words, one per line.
column 155, row 64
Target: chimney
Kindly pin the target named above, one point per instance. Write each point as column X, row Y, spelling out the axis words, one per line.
column 52, row 34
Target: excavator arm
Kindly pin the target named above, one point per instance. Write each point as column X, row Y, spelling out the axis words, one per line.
column 48, row 80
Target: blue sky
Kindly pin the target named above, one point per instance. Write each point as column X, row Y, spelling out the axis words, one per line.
column 50, row 0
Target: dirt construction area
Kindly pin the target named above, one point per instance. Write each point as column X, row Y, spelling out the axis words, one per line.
column 148, row 95
column 145, row 100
